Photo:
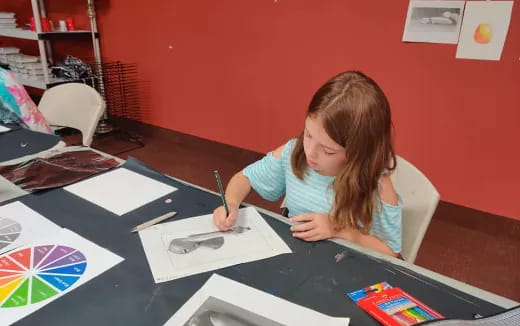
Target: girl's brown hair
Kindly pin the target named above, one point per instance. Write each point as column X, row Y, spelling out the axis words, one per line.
column 356, row 115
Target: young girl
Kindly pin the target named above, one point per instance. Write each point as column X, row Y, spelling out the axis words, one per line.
column 336, row 175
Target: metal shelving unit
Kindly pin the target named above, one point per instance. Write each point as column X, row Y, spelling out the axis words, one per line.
column 44, row 39
column 30, row 35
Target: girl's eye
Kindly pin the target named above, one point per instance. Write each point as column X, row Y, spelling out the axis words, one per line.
column 306, row 134
column 329, row 153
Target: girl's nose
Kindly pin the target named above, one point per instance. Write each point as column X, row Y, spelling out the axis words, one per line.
column 312, row 152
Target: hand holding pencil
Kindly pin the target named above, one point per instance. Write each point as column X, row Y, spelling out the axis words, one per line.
column 223, row 222
column 224, row 216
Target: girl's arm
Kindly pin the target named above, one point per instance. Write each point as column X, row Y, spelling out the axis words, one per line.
column 388, row 194
column 318, row 226
column 365, row 240
column 237, row 189
column 239, row 186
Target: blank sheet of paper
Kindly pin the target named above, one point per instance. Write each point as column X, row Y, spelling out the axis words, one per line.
column 120, row 191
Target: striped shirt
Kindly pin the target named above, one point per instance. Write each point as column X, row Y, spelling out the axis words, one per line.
column 273, row 177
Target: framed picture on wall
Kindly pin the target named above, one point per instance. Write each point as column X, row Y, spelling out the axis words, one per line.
column 484, row 29
column 433, row 21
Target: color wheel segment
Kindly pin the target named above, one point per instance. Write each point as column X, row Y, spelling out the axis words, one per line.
column 9, row 231
column 35, row 274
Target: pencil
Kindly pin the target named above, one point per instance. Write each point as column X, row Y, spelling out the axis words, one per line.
column 154, row 221
column 221, row 189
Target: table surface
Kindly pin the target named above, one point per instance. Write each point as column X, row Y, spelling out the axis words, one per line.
column 310, row 276
column 22, row 142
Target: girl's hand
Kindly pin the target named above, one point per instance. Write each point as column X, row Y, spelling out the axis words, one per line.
column 315, row 226
column 223, row 222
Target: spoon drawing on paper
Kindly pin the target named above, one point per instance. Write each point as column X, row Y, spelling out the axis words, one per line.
column 213, row 240
column 183, row 246
column 235, row 230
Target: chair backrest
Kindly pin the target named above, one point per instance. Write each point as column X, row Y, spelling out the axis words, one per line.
column 420, row 199
column 73, row 105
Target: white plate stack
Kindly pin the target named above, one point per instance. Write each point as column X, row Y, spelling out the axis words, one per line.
column 7, row 20
column 27, row 66
column 7, row 54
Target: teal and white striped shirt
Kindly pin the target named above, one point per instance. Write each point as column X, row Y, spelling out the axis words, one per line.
column 272, row 177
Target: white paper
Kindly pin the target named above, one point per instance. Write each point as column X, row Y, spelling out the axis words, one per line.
column 4, row 14
column 4, row 129
column 232, row 303
column 9, row 190
column 433, row 21
column 484, row 29
column 257, row 243
column 39, row 273
column 20, row 225
column 120, row 191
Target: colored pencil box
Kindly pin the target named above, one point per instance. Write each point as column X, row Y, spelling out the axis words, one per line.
column 394, row 307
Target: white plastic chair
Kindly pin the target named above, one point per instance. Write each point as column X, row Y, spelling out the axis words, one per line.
column 73, row 105
column 420, row 199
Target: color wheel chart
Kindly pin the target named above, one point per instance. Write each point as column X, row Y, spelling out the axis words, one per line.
column 9, row 231
column 35, row 274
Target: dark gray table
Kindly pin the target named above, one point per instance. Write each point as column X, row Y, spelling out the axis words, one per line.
column 21, row 142
column 311, row 277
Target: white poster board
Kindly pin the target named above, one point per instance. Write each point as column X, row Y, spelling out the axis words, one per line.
column 39, row 273
column 221, row 301
column 120, row 191
column 208, row 252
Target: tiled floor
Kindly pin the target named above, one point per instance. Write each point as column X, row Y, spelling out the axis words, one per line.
column 474, row 247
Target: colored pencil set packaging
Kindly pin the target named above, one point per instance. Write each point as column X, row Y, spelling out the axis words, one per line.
column 392, row 306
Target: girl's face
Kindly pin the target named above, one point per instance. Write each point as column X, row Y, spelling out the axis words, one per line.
column 323, row 154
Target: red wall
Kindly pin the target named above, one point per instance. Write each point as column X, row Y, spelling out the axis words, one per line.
column 242, row 72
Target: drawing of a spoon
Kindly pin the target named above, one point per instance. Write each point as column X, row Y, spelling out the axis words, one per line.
column 235, row 230
column 185, row 245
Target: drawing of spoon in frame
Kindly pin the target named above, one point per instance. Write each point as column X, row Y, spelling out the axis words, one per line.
column 184, row 245
column 235, row 230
